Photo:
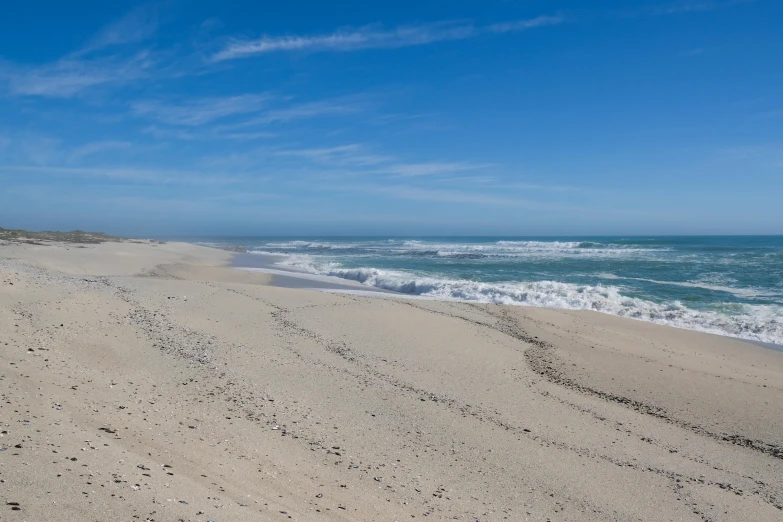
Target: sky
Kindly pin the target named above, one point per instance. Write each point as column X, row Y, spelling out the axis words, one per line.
column 497, row 117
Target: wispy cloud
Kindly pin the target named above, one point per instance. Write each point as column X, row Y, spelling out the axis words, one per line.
column 30, row 148
column 321, row 152
column 71, row 75
column 472, row 197
column 690, row 6
column 415, row 193
column 430, row 169
column 134, row 175
column 523, row 25
column 374, row 37
column 309, row 110
column 493, row 182
column 301, row 111
column 446, row 196
column 201, row 111
column 349, row 40
column 246, row 136
column 91, row 65
column 353, row 154
column 235, row 161
column 234, row 117
column 682, row 6
column 97, row 147
column 359, row 155
column 174, row 133
column 135, row 26
column 178, row 133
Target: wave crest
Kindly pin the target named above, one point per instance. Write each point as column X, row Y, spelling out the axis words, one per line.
column 508, row 249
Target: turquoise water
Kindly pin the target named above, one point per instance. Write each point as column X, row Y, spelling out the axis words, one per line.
column 726, row 285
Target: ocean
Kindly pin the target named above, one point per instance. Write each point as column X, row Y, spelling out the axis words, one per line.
column 720, row 284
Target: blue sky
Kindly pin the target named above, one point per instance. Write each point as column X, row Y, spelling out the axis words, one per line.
column 412, row 118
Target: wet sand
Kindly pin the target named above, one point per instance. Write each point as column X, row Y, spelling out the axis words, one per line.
column 290, row 277
column 155, row 382
column 770, row 346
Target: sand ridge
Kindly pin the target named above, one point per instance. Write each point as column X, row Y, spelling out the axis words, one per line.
column 142, row 382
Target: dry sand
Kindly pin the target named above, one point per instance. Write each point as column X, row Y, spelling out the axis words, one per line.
column 150, row 382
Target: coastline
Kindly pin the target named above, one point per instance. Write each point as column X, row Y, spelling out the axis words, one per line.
column 208, row 393
column 291, row 277
column 769, row 346
column 286, row 277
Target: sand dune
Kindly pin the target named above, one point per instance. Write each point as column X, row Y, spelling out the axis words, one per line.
column 151, row 382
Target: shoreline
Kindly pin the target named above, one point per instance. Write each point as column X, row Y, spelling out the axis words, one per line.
column 156, row 381
column 769, row 346
column 289, row 277
column 285, row 277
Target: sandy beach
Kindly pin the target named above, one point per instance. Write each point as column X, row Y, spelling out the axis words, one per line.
column 145, row 381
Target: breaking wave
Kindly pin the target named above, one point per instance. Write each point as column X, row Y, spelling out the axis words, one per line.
column 462, row 250
column 748, row 321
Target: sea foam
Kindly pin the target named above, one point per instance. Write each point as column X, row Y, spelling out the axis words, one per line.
column 753, row 322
